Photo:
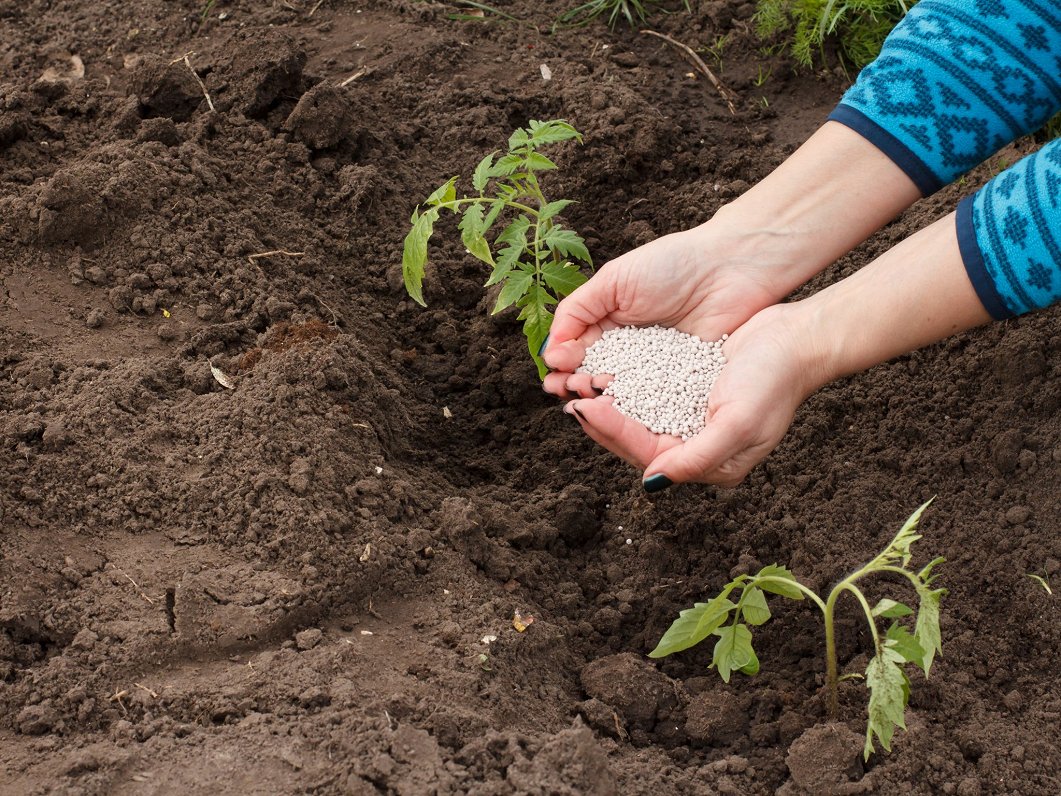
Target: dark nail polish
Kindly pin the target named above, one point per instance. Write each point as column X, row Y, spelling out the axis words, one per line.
column 580, row 415
column 598, row 390
column 545, row 342
column 656, row 483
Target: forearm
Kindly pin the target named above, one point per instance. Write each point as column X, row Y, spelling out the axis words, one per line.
column 913, row 295
column 829, row 196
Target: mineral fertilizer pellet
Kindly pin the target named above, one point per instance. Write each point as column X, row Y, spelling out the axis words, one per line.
column 662, row 377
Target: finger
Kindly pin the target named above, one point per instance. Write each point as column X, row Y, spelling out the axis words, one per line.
column 707, row 456
column 556, row 384
column 583, row 384
column 589, row 304
column 622, row 436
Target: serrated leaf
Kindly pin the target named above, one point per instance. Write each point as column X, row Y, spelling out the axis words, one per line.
column 414, row 253
column 733, row 651
column 926, row 628
column 446, row 192
column 515, row 287
column 775, row 571
column 511, row 242
column 492, row 214
column 693, row 625
column 553, row 208
column 537, row 319
column 506, row 165
column 899, row 549
column 925, row 574
column 472, row 226
column 552, row 132
column 568, row 243
column 519, row 138
column 754, row 609
column 888, row 693
column 481, row 175
column 906, row 644
column 564, row 278
column 538, row 162
column 890, row 609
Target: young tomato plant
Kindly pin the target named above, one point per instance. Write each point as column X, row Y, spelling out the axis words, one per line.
column 532, row 256
column 888, row 684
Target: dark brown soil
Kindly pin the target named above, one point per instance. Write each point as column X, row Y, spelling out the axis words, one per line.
column 284, row 587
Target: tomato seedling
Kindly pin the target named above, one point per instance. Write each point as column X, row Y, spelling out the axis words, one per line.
column 885, row 677
column 532, row 256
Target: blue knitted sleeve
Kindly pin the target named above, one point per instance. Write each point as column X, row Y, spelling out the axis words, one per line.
column 956, row 81
column 1009, row 234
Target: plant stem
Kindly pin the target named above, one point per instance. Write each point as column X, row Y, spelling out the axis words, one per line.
column 452, row 205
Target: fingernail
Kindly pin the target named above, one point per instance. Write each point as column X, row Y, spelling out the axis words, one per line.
column 598, row 390
column 656, row 483
column 581, row 416
column 545, row 342
column 568, row 409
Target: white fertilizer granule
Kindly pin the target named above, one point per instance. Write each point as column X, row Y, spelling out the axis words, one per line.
column 663, row 377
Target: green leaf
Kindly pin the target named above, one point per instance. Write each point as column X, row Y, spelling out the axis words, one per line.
column 899, row 549
column 518, row 139
column 492, row 214
column 926, row 628
column 515, row 287
column 564, row 278
column 906, row 644
column 553, row 208
column 693, row 625
column 733, row 651
column 552, row 132
column 536, row 322
column 446, row 192
column 888, row 692
column 512, row 242
column 472, row 227
column 925, row 574
column 538, row 162
column 754, row 608
column 481, row 176
column 890, row 609
column 414, row 253
column 751, row 668
column 775, row 571
column 567, row 243
column 506, row 165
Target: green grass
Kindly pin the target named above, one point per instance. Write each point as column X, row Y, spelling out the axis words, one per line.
column 635, row 12
column 858, row 27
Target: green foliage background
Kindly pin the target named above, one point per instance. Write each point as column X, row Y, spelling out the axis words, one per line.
column 860, row 26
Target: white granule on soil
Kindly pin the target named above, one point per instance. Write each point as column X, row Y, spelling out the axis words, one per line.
column 662, row 377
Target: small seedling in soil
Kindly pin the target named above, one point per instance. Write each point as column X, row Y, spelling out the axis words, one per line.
column 532, row 255
column 635, row 12
column 1041, row 581
column 885, row 677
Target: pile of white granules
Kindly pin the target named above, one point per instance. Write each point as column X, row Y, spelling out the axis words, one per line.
column 663, row 377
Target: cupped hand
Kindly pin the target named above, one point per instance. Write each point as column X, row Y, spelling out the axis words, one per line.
column 772, row 366
column 696, row 281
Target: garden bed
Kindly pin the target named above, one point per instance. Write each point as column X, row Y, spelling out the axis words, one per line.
column 285, row 587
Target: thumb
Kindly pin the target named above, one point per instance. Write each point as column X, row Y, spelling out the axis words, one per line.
column 588, row 305
column 704, row 457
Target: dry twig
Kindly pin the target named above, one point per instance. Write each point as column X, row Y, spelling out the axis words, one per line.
column 135, row 585
column 727, row 95
column 253, row 257
column 364, row 70
column 198, row 79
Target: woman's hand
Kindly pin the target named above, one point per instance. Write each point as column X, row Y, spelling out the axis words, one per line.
column 697, row 281
column 771, row 368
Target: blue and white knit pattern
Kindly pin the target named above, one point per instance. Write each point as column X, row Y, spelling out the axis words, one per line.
column 956, row 81
column 1010, row 235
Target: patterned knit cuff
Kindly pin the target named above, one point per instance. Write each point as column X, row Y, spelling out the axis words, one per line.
column 900, row 154
column 975, row 266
